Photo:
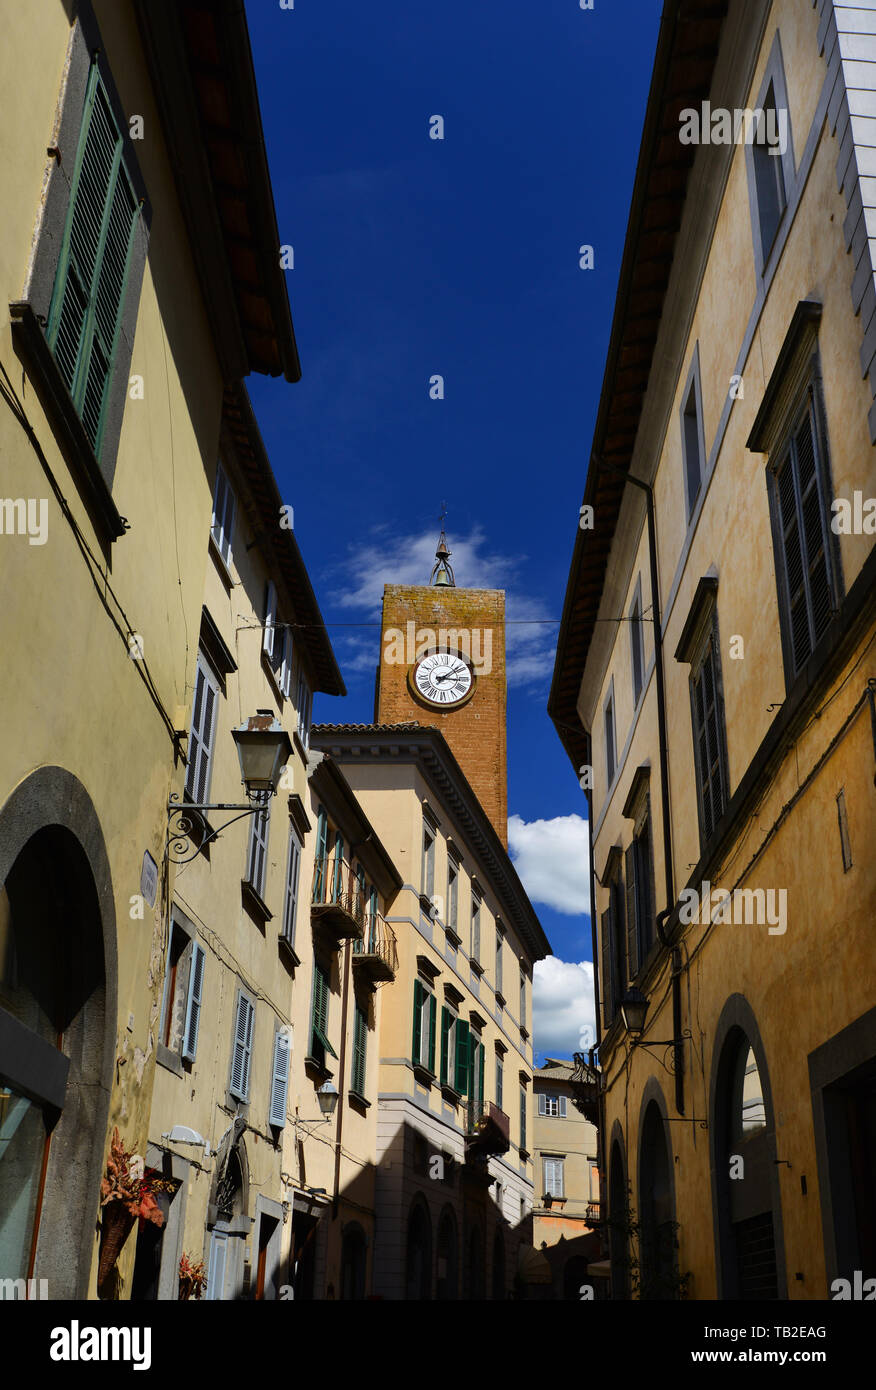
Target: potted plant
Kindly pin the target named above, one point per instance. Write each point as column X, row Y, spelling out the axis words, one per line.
column 127, row 1192
column 192, row 1278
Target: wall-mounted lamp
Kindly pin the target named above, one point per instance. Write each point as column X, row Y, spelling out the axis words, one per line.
column 263, row 747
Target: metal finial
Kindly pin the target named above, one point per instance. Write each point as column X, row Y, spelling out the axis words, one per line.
column 442, row 570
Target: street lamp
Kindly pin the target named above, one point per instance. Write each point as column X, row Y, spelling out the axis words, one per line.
column 327, row 1095
column 263, row 747
column 634, row 1007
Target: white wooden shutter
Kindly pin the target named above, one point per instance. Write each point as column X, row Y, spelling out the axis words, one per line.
column 202, row 733
column 242, row 1048
column 216, row 1267
column 258, row 849
column 542, row 1103
column 286, row 663
column 562, row 1107
column 279, row 1080
column 270, row 620
column 304, row 702
column 223, row 514
column 193, row 1008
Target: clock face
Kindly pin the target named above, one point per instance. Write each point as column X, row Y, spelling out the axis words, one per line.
column 443, row 679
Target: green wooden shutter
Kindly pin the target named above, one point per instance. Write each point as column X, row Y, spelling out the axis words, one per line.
column 632, row 911
column 360, row 1039
column 93, row 266
column 321, row 848
column 418, row 1022
column 320, row 1008
column 462, row 1057
column 433, row 1008
column 607, row 992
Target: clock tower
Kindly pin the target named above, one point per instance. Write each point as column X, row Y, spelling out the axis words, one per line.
column 442, row 662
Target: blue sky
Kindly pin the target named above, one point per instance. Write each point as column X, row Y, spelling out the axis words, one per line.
column 415, row 257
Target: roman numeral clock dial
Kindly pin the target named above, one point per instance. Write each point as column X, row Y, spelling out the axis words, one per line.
column 443, row 680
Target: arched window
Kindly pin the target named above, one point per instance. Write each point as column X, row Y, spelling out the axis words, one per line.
column 447, row 1270
column 657, row 1262
column 418, row 1281
column 745, row 1172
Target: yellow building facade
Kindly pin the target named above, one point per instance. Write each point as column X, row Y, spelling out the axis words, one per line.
column 714, row 676
column 120, row 338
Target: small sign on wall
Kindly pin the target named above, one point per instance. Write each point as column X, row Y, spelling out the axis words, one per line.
column 149, row 879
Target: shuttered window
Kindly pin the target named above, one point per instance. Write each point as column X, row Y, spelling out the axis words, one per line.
column 93, row 266
column 286, row 661
column 423, row 1043
column 462, row 1066
column 448, row 1047
column 223, row 515
column 270, row 632
column 216, row 1267
column 639, row 865
column 552, row 1105
column 202, row 733
column 553, row 1177
column 428, row 861
column 319, row 1042
column 500, row 1073
column 360, row 1043
column 612, row 945
column 709, row 738
column 637, row 647
column 257, row 857
column 475, row 927
column 304, row 705
column 293, row 865
column 800, row 510
column 522, row 1118
column 279, row 1079
column 320, row 868
column 193, row 1006
column 499, row 962
column 242, row 1049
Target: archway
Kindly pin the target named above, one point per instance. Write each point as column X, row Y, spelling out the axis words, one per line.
column 657, row 1262
column 57, row 1018
column 447, row 1271
column 354, row 1256
column 618, row 1218
column 748, row 1234
column 498, row 1266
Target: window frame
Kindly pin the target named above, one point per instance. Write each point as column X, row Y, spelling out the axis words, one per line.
column 637, row 644
column 477, row 903
column 290, row 896
column 609, row 731
column 222, row 525
column 246, row 1041
column 693, row 393
column 359, row 1064
column 774, row 76
column 257, row 849
column 708, row 649
column 558, row 1163
column 427, row 869
column 203, row 668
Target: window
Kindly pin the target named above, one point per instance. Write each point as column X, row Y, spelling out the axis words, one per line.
column 279, row 1079
column 610, row 748
column 553, row 1177
column 500, row 1076
column 320, row 866
column 202, row 733
column 183, row 988
column 91, row 278
column 452, row 893
column 257, row 857
column 475, row 925
column 611, row 976
column 637, row 644
column 498, row 962
column 639, row 864
column 293, row 864
column 277, row 643
column 552, row 1105
column 476, row 1070
column 692, row 436
column 448, row 1047
column 319, row 1043
column 463, row 1056
column 423, row 1047
column 286, row 662
column 769, row 175
column 707, row 703
column 303, row 703
column 522, row 998
column 222, row 528
column 241, row 1054
column 523, row 1119
column 799, row 496
column 360, row 1043
column 428, row 861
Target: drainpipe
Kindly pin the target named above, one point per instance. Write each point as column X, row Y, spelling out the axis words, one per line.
column 341, row 1073
column 661, row 693
column 678, row 1050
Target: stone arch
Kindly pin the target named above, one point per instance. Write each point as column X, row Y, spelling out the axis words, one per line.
column 57, row 913
column 617, row 1204
column 447, row 1255
column 656, row 1197
column 418, row 1256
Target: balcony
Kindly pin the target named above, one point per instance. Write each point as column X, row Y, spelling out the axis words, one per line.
column 337, row 902
column 487, row 1130
column 376, row 953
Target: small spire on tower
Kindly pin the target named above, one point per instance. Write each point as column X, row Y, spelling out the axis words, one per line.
column 442, row 570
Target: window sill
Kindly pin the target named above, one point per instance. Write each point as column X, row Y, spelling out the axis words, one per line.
column 476, row 967
column 450, row 1093
column 287, row 950
column 524, row 1033
column 424, row 1075
column 224, row 572
column 316, row 1068
column 166, row 1057
column 30, row 343
column 524, row 1155
column 500, row 999
column 255, row 903
column 453, row 937
column 358, row 1102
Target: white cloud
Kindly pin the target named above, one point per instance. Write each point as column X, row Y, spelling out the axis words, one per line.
column 385, row 558
column 552, row 858
column 563, row 1019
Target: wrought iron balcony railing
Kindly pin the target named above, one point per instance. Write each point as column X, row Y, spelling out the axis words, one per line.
column 376, row 953
column 337, row 899
column 487, row 1129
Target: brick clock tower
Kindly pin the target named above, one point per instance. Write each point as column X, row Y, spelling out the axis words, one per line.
column 442, row 662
